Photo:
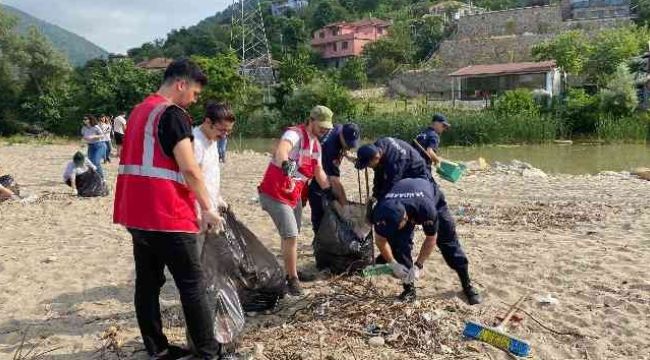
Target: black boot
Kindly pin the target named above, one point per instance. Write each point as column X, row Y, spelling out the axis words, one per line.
column 472, row 295
column 408, row 295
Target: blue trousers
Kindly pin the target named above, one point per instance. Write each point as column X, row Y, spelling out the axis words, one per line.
column 222, row 145
column 96, row 155
column 108, row 150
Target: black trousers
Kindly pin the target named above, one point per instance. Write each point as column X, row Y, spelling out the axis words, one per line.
column 153, row 251
column 402, row 243
column 316, row 205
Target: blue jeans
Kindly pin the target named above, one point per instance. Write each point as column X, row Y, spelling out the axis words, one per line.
column 222, row 144
column 96, row 155
column 108, row 150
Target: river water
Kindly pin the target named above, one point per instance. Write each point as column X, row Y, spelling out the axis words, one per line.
column 551, row 158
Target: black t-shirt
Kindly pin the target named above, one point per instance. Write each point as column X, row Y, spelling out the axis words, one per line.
column 175, row 125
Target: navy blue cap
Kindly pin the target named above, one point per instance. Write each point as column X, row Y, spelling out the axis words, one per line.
column 387, row 216
column 351, row 135
column 364, row 155
column 441, row 119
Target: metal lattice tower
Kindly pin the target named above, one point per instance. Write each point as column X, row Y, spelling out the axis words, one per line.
column 248, row 39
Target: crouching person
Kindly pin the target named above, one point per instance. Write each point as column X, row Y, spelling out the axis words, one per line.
column 79, row 172
column 409, row 203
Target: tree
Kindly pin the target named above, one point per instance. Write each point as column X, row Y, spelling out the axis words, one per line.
column 294, row 34
column 642, row 8
column 108, row 87
column 327, row 12
column 570, row 50
column 295, row 69
column 224, row 81
column 427, row 32
column 386, row 54
column 619, row 96
column 613, row 47
column 321, row 91
column 353, row 73
column 46, row 95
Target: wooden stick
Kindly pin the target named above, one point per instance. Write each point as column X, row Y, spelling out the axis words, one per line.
column 359, row 181
column 367, row 185
column 512, row 311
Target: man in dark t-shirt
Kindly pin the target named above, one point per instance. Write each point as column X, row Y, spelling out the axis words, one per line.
column 154, row 203
column 335, row 145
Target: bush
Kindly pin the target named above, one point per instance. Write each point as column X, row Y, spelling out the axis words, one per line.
column 520, row 101
column 578, row 112
column 321, row 91
column 468, row 127
column 353, row 73
column 634, row 129
column 263, row 122
column 619, row 97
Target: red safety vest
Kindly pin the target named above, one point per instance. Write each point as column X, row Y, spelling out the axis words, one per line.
column 289, row 190
column 151, row 193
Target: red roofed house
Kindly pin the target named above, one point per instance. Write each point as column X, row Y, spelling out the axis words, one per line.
column 339, row 41
column 476, row 82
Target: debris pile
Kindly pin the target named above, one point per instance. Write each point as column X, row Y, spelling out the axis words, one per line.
column 516, row 167
column 537, row 215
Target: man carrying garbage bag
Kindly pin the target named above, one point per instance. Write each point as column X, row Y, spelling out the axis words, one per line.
column 335, row 145
column 296, row 161
column 393, row 160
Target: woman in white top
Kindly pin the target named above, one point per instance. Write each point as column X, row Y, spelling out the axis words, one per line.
column 106, row 127
column 78, row 166
column 94, row 137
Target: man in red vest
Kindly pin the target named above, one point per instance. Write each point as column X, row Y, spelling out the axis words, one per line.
column 158, row 183
column 297, row 160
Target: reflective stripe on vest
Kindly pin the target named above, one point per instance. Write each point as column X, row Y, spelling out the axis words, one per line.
column 147, row 169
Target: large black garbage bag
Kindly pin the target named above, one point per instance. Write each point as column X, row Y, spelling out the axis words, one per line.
column 344, row 241
column 10, row 183
column 90, row 184
column 237, row 258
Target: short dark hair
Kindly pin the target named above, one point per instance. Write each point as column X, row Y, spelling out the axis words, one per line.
column 185, row 69
column 218, row 112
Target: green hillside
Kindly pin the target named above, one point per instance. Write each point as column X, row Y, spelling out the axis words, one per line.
column 77, row 49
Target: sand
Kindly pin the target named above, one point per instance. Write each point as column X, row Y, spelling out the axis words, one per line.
column 66, row 272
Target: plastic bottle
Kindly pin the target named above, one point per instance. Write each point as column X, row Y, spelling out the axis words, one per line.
column 377, row 269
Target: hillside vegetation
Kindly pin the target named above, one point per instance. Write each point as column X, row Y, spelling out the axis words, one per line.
column 77, row 49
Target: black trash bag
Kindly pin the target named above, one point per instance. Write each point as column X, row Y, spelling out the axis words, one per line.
column 344, row 242
column 10, row 183
column 90, row 184
column 236, row 256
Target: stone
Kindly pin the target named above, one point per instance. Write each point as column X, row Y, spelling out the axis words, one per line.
column 376, row 341
column 643, row 173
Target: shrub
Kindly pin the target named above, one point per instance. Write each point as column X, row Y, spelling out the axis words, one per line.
column 634, row 129
column 520, row 101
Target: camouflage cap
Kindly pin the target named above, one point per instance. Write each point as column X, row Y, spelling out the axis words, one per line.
column 323, row 115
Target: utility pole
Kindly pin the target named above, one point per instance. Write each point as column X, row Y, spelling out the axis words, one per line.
column 248, row 39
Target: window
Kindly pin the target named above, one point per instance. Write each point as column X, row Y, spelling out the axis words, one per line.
column 334, row 32
column 321, row 34
column 344, row 45
column 380, row 31
column 335, row 47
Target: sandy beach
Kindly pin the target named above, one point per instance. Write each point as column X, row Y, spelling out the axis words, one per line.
column 66, row 272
